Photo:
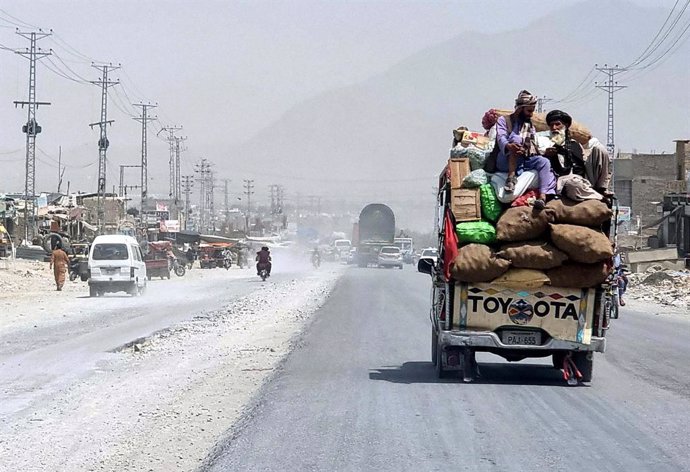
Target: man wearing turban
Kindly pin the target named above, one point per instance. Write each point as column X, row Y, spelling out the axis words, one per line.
column 518, row 150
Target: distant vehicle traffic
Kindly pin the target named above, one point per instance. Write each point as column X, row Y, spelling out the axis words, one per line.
column 406, row 248
column 390, row 256
column 374, row 230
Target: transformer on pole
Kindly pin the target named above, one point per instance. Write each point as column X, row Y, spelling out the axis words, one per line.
column 31, row 129
column 103, row 142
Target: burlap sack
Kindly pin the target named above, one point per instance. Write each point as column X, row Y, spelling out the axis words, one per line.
column 522, row 279
column 477, row 263
column 581, row 244
column 579, row 275
column 577, row 131
column 586, row 213
column 532, row 255
column 522, row 224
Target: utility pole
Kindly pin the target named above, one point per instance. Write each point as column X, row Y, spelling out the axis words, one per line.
column 178, row 177
column 202, row 169
column 280, row 199
column 61, row 169
column 210, row 189
column 540, row 103
column 123, row 187
column 248, row 191
column 274, row 191
column 610, row 86
column 226, row 196
column 172, row 194
column 144, row 119
column 31, row 129
column 103, row 143
column 187, row 184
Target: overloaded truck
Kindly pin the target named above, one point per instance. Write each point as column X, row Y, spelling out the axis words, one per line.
column 516, row 281
column 374, row 230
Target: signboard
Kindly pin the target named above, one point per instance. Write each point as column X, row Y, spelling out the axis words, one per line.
column 564, row 313
column 624, row 213
column 161, row 206
column 170, row 226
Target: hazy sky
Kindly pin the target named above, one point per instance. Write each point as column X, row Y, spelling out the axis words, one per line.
column 219, row 68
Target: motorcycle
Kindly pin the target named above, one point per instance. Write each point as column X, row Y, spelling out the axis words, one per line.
column 316, row 261
column 178, row 268
column 263, row 273
column 227, row 263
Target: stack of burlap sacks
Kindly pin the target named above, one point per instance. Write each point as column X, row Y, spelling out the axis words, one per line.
column 562, row 245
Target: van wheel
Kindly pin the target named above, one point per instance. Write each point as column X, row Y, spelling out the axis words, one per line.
column 134, row 290
column 92, row 291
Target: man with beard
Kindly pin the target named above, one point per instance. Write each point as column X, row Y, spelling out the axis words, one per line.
column 579, row 178
column 516, row 139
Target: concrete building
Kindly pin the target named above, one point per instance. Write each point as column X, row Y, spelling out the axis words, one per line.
column 641, row 180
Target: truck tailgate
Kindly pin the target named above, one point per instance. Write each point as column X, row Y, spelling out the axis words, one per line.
column 563, row 313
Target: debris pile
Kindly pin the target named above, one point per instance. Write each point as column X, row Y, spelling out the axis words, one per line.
column 659, row 285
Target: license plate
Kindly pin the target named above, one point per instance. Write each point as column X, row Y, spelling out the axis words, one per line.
column 110, row 270
column 523, row 338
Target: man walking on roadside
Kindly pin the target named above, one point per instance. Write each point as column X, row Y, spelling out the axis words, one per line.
column 59, row 263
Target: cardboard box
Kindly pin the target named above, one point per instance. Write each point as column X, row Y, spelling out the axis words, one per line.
column 474, row 138
column 459, row 169
column 465, row 203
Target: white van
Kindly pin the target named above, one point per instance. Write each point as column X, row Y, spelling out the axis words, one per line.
column 116, row 265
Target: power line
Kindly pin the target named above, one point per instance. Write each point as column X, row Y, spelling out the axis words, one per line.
column 652, row 46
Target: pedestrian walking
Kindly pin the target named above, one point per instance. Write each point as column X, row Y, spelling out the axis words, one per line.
column 59, row 263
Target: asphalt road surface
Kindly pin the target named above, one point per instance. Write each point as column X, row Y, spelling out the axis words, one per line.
column 360, row 394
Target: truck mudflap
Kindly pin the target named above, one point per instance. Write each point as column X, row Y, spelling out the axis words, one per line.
column 491, row 340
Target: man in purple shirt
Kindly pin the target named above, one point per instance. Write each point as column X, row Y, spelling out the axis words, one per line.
column 518, row 150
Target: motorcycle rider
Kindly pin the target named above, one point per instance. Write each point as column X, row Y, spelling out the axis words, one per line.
column 227, row 258
column 263, row 258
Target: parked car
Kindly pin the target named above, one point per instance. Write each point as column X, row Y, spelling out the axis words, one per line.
column 116, row 264
column 390, row 256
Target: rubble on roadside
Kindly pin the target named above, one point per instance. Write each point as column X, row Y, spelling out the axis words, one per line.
column 660, row 285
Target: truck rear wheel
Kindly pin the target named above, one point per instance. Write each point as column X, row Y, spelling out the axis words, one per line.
column 441, row 372
column 584, row 361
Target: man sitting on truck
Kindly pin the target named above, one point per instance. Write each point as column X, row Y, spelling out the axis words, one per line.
column 518, row 151
column 591, row 165
column 263, row 259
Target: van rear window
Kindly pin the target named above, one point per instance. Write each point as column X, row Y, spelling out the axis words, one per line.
column 110, row 252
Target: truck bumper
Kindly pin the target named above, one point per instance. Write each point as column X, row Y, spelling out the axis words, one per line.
column 488, row 340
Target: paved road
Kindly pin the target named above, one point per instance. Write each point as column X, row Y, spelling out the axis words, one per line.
column 360, row 394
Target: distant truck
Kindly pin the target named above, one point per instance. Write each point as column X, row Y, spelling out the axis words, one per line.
column 374, row 230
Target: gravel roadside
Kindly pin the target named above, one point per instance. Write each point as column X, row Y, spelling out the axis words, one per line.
column 162, row 403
